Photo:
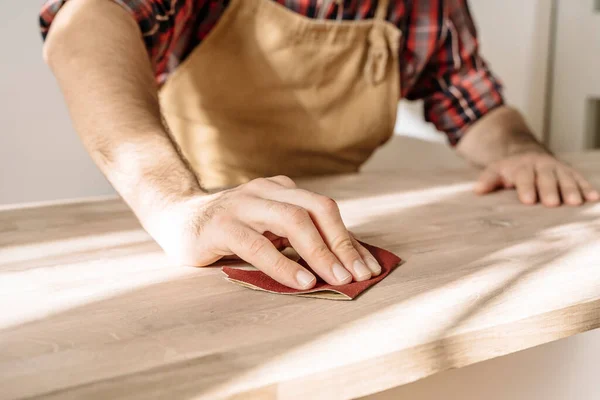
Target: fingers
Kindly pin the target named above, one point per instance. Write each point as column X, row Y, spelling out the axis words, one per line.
column 589, row 193
column 541, row 177
column 367, row 257
column 279, row 242
column 547, row 185
column 294, row 223
column 569, row 189
column 328, row 221
column 525, row 185
column 257, row 250
column 489, row 180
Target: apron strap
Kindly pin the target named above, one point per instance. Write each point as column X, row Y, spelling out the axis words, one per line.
column 377, row 59
column 381, row 12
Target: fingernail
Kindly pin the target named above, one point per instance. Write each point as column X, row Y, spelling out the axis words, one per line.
column 552, row 201
column 575, row 200
column 373, row 265
column 304, row 278
column 594, row 195
column 528, row 199
column 362, row 272
column 341, row 273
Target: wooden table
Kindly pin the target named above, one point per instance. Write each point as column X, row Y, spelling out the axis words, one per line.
column 90, row 307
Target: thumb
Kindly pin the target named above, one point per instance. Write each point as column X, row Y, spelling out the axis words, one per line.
column 489, row 180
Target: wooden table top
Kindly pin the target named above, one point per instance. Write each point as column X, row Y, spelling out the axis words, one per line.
column 90, row 307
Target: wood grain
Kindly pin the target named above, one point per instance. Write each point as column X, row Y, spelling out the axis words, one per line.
column 92, row 309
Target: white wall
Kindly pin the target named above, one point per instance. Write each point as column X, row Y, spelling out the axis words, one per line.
column 41, row 157
column 576, row 74
column 515, row 38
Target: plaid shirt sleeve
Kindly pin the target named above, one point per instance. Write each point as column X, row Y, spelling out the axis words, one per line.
column 164, row 24
column 457, row 86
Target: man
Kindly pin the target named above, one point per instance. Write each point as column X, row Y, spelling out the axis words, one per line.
column 254, row 91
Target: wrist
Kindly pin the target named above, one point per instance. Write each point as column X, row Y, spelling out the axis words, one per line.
column 153, row 196
column 149, row 174
column 524, row 143
column 154, row 204
column 500, row 134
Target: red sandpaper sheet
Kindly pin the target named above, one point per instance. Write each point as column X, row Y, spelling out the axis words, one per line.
column 258, row 280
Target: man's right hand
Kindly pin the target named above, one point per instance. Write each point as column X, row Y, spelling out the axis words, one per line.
column 247, row 220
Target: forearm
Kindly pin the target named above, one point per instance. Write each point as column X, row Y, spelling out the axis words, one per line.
column 499, row 134
column 97, row 54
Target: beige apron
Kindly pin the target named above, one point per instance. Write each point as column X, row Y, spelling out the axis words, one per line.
column 271, row 92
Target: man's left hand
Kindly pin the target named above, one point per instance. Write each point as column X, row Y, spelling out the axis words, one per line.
column 537, row 176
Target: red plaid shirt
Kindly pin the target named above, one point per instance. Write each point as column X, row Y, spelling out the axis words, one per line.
column 439, row 58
